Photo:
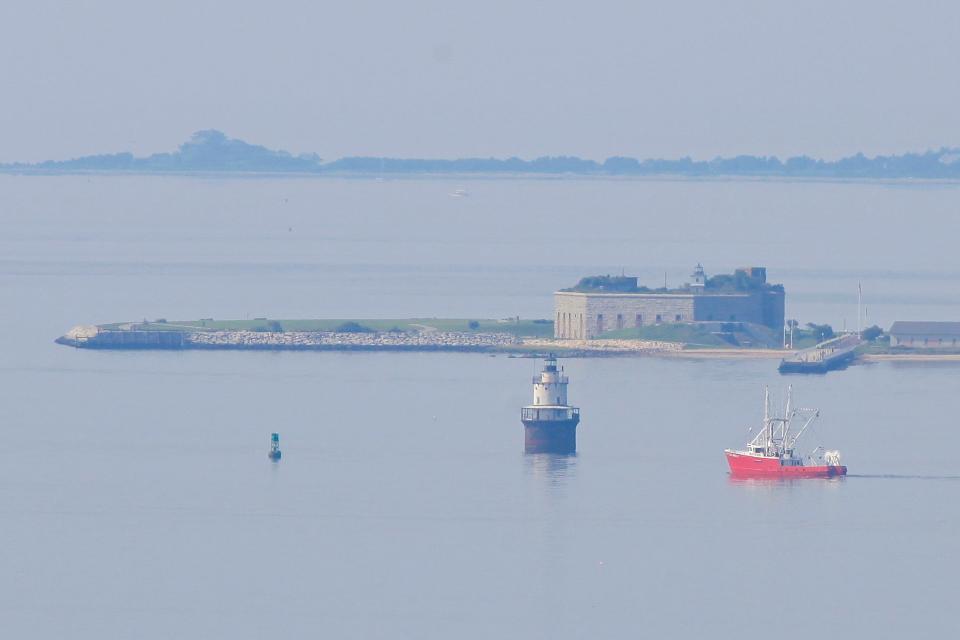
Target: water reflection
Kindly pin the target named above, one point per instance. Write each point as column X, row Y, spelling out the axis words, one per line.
column 772, row 484
column 553, row 468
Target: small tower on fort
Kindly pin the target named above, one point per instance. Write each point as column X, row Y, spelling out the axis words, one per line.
column 698, row 280
column 550, row 424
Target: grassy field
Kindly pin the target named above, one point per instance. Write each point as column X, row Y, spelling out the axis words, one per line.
column 883, row 348
column 522, row 327
column 701, row 335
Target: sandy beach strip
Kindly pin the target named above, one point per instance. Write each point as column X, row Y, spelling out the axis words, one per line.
column 651, row 348
column 910, row 357
column 754, row 354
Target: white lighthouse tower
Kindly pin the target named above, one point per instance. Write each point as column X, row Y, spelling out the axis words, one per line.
column 698, row 279
column 550, row 424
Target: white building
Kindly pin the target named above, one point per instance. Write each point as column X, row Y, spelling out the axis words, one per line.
column 925, row 335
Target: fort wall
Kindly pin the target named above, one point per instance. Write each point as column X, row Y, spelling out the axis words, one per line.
column 585, row 315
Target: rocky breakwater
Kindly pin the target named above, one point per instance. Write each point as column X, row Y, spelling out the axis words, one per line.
column 332, row 340
column 90, row 337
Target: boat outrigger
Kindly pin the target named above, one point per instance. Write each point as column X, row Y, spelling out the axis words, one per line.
column 772, row 452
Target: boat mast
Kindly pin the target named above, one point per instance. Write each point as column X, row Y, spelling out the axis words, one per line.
column 766, row 419
column 787, row 416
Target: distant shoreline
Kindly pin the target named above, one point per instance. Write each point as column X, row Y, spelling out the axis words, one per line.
column 480, row 176
column 211, row 151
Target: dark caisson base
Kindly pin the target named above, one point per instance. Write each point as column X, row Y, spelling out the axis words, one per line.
column 550, row 436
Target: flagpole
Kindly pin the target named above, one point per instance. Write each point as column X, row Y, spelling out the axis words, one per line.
column 859, row 317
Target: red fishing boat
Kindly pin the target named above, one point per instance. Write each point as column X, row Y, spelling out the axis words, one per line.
column 773, row 453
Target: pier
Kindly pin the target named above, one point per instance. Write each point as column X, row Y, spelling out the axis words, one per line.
column 826, row 356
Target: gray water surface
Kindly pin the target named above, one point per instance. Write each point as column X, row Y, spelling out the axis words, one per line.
column 137, row 500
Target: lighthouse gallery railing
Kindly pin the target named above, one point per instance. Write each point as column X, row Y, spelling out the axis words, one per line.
column 533, row 413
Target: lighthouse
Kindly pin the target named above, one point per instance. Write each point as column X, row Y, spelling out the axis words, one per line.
column 274, row 453
column 550, row 424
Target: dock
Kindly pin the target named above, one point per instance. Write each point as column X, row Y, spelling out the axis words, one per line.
column 826, row 356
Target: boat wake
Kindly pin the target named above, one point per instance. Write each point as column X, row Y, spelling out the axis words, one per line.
column 895, row 476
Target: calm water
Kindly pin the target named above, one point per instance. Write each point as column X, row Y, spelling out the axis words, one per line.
column 137, row 501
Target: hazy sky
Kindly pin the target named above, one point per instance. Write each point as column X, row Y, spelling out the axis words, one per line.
column 448, row 79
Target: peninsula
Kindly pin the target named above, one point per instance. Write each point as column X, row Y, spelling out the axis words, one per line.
column 509, row 336
column 723, row 313
column 727, row 314
column 737, row 314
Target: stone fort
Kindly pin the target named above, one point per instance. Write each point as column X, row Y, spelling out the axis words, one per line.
column 608, row 303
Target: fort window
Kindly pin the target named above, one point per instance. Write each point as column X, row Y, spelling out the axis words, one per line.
column 619, row 321
column 659, row 318
column 639, row 321
column 599, row 323
column 679, row 317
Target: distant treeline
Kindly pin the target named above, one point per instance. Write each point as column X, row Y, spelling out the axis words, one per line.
column 944, row 163
column 213, row 151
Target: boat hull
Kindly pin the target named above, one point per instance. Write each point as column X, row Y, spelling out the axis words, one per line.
column 747, row 466
column 550, row 436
